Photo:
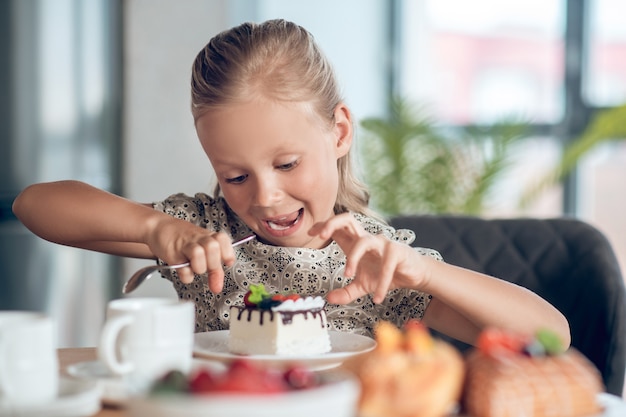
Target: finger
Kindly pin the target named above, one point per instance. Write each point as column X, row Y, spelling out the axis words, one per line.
column 216, row 280
column 218, row 250
column 345, row 294
column 366, row 250
column 358, row 250
column 185, row 275
column 389, row 262
column 344, row 223
column 197, row 258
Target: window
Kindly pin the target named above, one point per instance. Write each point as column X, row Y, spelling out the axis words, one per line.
column 551, row 62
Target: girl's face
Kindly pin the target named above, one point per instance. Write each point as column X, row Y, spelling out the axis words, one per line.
column 277, row 166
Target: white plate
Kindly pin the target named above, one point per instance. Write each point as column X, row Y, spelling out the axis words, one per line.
column 214, row 346
column 113, row 388
column 76, row 399
column 614, row 406
column 336, row 397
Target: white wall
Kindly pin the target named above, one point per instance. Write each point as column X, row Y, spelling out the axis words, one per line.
column 161, row 152
column 162, row 37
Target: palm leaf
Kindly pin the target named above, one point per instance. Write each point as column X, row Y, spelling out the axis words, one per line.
column 413, row 166
column 606, row 125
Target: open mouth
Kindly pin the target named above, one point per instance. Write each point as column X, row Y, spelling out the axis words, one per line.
column 284, row 223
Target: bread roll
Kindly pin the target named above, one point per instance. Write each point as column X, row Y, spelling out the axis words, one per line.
column 409, row 374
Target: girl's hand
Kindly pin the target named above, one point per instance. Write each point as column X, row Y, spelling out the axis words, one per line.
column 177, row 241
column 376, row 263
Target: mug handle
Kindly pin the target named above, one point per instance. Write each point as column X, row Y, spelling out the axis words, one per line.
column 107, row 349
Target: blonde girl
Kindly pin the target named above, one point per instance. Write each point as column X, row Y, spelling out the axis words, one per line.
column 269, row 116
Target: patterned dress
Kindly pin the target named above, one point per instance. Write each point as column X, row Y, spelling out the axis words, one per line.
column 286, row 269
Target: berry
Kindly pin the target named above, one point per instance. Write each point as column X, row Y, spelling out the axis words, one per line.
column 267, row 303
column 202, row 382
column 495, row 341
column 292, row 297
column 246, row 300
column 279, row 297
column 242, row 366
column 534, row 348
column 300, row 378
column 244, row 376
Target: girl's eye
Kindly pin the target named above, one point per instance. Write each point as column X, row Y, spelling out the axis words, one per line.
column 288, row 166
column 236, row 180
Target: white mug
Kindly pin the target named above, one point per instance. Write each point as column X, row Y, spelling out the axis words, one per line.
column 144, row 338
column 29, row 365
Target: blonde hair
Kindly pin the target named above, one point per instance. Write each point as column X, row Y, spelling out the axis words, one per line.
column 276, row 60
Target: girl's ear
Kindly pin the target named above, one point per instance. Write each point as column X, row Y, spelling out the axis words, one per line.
column 343, row 129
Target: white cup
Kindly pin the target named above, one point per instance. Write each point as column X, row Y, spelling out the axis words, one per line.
column 29, row 365
column 143, row 338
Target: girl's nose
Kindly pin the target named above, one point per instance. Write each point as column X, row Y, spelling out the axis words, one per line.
column 267, row 191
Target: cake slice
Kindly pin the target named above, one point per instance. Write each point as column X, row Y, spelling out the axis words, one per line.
column 288, row 325
column 510, row 375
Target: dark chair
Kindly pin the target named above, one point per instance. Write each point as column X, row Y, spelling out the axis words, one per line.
column 566, row 261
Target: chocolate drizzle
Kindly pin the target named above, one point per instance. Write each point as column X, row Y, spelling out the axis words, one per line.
column 286, row 316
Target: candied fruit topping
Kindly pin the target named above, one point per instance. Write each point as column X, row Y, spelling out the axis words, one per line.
column 256, row 293
column 495, row 341
column 258, row 297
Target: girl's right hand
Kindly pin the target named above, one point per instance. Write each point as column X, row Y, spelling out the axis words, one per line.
column 64, row 211
column 177, row 241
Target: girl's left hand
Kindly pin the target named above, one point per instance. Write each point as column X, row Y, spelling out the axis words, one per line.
column 376, row 263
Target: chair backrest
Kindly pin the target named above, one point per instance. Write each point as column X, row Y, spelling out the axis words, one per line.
column 564, row 260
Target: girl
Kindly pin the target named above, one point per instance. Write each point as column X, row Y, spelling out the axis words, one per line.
column 270, row 118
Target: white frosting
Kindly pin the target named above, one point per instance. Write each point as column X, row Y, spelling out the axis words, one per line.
column 301, row 304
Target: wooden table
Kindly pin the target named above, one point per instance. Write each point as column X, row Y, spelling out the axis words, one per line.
column 69, row 356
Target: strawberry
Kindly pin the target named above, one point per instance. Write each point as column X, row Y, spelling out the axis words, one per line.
column 292, row 297
column 245, row 376
column 202, row 382
column 298, row 377
column 246, row 300
column 279, row 297
column 242, row 366
column 496, row 341
column 258, row 384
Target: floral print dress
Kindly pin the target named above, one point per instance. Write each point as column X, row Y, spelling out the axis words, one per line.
column 286, row 269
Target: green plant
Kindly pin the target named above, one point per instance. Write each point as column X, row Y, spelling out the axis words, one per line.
column 605, row 126
column 414, row 166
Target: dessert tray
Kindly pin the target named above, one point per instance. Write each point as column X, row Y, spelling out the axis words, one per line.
column 214, row 346
column 337, row 396
column 76, row 399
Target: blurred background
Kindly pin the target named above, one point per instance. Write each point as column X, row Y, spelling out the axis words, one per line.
column 98, row 90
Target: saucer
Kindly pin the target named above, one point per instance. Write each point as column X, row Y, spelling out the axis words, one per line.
column 76, row 399
column 114, row 390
